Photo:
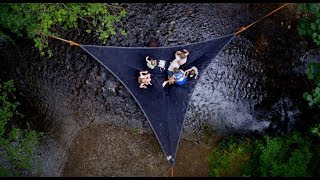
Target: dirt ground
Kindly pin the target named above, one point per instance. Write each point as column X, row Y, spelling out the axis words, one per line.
column 103, row 150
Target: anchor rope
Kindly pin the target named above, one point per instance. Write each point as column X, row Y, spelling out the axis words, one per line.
column 72, row 43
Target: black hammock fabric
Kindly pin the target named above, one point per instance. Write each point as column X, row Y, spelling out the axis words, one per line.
column 164, row 107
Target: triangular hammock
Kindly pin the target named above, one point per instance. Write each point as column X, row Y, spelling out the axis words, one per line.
column 164, row 107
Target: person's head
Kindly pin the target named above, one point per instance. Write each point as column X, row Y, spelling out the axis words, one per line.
column 141, row 80
column 182, row 55
column 192, row 73
column 175, row 70
column 153, row 62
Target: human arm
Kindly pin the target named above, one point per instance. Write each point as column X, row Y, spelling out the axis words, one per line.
column 186, row 52
column 142, row 86
column 177, row 54
column 143, row 72
column 171, row 80
column 186, row 73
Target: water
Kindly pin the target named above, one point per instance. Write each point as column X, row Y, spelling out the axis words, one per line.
column 255, row 84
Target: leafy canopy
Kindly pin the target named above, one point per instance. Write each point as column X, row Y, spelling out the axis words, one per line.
column 288, row 155
column 33, row 19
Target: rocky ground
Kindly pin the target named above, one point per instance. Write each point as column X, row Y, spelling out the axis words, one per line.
column 109, row 151
column 88, row 116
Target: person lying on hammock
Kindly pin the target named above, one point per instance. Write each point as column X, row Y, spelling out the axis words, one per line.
column 144, row 79
column 182, row 56
column 179, row 77
column 180, row 59
column 192, row 72
column 151, row 63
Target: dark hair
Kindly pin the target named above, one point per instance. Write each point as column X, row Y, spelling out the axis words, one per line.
column 175, row 70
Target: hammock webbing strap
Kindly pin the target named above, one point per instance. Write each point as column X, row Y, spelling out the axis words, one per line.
column 241, row 29
column 246, row 27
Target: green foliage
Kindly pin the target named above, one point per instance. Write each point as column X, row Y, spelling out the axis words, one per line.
column 4, row 37
column 284, row 156
column 315, row 130
column 4, row 172
column 7, row 108
column 279, row 156
column 229, row 158
column 289, row 155
column 313, row 73
column 16, row 146
column 33, row 19
column 309, row 24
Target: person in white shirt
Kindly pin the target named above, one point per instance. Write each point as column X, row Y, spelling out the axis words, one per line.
column 182, row 56
column 162, row 65
column 180, row 59
column 151, row 63
column 144, row 79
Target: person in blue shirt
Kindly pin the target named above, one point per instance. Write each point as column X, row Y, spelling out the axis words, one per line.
column 178, row 77
column 180, row 59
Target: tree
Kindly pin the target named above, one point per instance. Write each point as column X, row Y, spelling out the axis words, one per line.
column 38, row 20
column 288, row 155
column 284, row 156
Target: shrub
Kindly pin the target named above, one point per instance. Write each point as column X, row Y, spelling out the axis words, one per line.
column 229, row 158
column 17, row 146
column 313, row 73
column 288, row 155
column 309, row 24
column 284, row 156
